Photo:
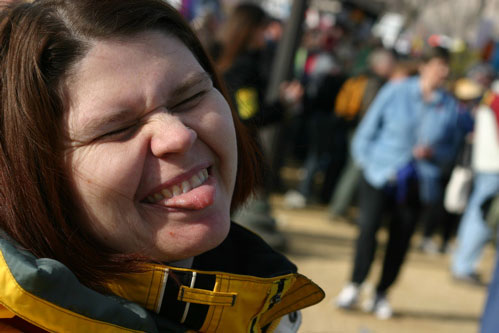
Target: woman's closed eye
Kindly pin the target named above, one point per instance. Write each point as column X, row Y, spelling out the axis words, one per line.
column 121, row 133
column 189, row 102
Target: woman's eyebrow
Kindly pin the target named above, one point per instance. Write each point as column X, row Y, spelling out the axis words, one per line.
column 198, row 78
column 106, row 121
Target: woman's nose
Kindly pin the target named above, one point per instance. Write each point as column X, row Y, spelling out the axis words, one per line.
column 171, row 136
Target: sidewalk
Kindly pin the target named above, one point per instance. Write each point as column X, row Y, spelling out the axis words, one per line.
column 425, row 298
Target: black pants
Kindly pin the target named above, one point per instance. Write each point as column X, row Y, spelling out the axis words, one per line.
column 373, row 204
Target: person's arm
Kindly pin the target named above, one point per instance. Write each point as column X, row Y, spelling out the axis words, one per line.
column 370, row 125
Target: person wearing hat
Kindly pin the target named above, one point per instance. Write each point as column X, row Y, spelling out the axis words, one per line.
column 473, row 232
column 468, row 91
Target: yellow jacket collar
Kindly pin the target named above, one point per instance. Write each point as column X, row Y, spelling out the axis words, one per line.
column 249, row 286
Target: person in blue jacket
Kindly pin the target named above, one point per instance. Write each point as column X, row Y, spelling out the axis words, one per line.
column 409, row 132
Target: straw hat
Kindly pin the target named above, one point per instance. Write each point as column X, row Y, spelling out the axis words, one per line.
column 466, row 89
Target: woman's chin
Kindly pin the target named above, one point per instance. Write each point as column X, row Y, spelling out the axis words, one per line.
column 190, row 240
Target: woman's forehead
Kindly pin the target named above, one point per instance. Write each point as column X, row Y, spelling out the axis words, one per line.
column 147, row 57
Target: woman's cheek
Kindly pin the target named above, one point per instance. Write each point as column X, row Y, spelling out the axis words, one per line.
column 108, row 167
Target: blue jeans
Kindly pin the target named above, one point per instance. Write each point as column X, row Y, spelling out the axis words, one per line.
column 473, row 232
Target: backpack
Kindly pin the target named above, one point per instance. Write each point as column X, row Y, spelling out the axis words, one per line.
column 349, row 99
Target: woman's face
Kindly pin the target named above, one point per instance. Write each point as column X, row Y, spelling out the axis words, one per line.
column 153, row 151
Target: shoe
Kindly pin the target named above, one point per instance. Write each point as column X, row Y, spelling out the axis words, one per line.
column 348, row 296
column 294, row 199
column 380, row 306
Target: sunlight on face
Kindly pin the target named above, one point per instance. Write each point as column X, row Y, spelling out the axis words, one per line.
column 154, row 152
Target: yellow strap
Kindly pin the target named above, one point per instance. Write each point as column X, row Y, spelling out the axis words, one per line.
column 201, row 296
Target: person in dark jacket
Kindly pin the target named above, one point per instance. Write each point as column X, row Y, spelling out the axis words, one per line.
column 243, row 62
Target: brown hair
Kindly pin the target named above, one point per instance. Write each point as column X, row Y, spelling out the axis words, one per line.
column 238, row 32
column 435, row 52
column 40, row 43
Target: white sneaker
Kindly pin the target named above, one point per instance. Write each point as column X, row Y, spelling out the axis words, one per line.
column 294, row 199
column 380, row 306
column 348, row 296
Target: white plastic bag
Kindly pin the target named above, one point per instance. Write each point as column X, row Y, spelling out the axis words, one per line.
column 458, row 189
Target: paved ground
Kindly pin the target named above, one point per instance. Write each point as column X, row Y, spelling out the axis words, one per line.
column 425, row 298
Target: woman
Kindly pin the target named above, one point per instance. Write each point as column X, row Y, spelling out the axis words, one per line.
column 120, row 164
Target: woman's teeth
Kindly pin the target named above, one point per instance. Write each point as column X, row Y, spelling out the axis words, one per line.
column 177, row 189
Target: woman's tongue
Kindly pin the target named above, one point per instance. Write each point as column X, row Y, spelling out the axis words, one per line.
column 197, row 198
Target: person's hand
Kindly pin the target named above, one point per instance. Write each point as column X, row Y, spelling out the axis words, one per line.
column 291, row 93
column 422, row 152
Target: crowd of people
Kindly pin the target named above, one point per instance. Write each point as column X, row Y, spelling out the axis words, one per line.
column 388, row 134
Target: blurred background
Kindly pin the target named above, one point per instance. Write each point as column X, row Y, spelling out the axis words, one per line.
column 319, row 66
